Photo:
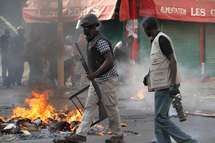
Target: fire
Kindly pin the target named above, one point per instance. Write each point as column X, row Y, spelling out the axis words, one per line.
column 2, row 118
column 139, row 95
column 73, row 116
column 39, row 107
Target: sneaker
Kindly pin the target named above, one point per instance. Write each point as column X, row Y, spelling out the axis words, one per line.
column 115, row 139
column 76, row 138
column 59, row 141
column 71, row 139
column 195, row 141
column 191, row 141
column 19, row 84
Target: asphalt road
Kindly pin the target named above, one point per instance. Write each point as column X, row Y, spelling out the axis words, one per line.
column 137, row 114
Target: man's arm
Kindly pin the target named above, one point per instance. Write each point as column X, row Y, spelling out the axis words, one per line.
column 0, row 42
column 173, row 67
column 167, row 50
column 105, row 50
column 106, row 64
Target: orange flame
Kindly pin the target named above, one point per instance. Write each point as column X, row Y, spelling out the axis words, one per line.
column 73, row 116
column 39, row 107
column 139, row 95
column 2, row 118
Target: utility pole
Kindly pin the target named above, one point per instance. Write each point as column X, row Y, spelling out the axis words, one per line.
column 60, row 60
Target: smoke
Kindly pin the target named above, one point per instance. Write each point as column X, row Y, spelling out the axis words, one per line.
column 12, row 11
column 197, row 95
column 131, row 77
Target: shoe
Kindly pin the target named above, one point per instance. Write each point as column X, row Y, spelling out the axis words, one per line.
column 153, row 142
column 191, row 141
column 76, row 138
column 71, row 139
column 195, row 141
column 115, row 139
column 60, row 141
column 19, row 84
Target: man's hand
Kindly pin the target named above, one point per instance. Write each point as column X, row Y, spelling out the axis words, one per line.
column 91, row 76
column 145, row 81
column 173, row 90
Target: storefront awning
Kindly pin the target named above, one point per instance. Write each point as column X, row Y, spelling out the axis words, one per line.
column 181, row 10
column 43, row 11
column 128, row 10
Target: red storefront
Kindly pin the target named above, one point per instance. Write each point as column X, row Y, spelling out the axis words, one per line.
column 194, row 15
column 45, row 11
column 190, row 23
column 181, row 10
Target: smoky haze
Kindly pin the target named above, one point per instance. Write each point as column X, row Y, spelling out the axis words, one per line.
column 11, row 10
column 197, row 96
column 194, row 91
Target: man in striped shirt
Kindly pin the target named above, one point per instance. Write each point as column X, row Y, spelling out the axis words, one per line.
column 101, row 63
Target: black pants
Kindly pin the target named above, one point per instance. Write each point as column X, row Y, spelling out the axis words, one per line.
column 4, row 63
column 19, row 73
column 15, row 72
column 11, row 76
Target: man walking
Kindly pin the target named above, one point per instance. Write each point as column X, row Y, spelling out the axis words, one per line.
column 163, row 79
column 103, row 71
column 16, row 58
column 18, row 47
column 4, row 46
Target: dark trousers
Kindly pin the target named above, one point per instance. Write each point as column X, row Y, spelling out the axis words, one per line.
column 19, row 73
column 53, row 72
column 36, row 72
column 4, row 63
column 15, row 72
column 11, row 75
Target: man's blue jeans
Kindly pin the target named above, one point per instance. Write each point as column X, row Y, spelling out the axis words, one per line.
column 164, row 127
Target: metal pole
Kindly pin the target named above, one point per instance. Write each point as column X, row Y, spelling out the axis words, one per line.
column 82, row 105
column 202, row 49
column 60, row 61
column 77, row 108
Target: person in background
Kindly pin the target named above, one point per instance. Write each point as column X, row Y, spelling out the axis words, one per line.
column 4, row 46
column 18, row 50
column 33, row 55
column 16, row 58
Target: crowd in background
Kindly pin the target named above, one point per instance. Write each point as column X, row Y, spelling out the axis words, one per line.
column 40, row 51
column 12, row 57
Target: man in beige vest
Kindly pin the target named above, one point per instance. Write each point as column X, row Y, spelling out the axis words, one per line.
column 163, row 79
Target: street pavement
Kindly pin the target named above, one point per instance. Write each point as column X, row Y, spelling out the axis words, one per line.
column 136, row 113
